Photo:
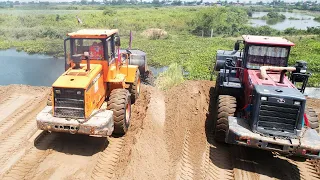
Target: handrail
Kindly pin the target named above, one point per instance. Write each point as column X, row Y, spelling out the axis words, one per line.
column 127, row 61
column 230, row 68
column 264, row 69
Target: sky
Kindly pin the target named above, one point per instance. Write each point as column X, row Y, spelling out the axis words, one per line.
column 148, row 0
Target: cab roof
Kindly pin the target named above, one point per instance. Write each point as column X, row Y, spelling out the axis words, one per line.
column 268, row 40
column 93, row 33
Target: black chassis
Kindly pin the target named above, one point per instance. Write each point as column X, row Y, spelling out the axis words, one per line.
column 226, row 82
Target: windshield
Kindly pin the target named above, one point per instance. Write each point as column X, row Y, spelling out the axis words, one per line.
column 266, row 56
column 93, row 46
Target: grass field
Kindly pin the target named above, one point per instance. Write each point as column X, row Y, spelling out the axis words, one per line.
column 43, row 31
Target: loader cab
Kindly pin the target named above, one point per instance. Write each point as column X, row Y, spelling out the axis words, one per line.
column 265, row 51
column 94, row 46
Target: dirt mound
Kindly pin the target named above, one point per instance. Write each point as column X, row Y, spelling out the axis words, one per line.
column 155, row 33
column 314, row 103
column 148, row 157
column 130, row 139
column 186, row 108
column 170, row 137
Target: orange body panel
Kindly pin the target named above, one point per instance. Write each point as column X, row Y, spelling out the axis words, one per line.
column 110, row 72
column 92, row 83
column 129, row 73
column 94, row 95
column 103, row 76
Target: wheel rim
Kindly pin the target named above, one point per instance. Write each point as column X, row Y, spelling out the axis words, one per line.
column 128, row 113
column 138, row 86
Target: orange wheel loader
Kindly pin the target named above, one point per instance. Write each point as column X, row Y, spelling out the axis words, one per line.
column 94, row 94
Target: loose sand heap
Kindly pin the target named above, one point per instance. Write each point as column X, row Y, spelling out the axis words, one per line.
column 170, row 137
column 155, row 33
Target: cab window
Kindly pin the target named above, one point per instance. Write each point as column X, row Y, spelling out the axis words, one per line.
column 266, row 56
column 93, row 46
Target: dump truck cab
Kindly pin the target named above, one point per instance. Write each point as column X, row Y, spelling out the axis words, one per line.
column 96, row 86
column 266, row 110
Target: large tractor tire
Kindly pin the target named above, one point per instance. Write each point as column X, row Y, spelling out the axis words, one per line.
column 226, row 106
column 313, row 119
column 134, row 88
column 120, row 103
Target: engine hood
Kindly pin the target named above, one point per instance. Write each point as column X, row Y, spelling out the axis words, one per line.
column 273, row 79
column 78, row 78
column 279, row 92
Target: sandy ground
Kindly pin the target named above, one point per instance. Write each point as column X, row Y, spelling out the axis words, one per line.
column 170, row 137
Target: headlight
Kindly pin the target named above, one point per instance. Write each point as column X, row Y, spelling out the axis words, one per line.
column 58, row 91
column 303, row 70
column 264, row 98
column 78, row 92
column 296, row 102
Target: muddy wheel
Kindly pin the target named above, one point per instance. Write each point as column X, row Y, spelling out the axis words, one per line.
column 120, row 103
column 225, row 106
column 313, row 119
column 134, row 88
column 149, row 78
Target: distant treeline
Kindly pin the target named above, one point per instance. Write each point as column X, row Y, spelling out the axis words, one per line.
column 232, row 21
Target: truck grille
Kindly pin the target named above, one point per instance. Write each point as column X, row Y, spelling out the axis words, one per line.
column 69, row 103
column 277, row 116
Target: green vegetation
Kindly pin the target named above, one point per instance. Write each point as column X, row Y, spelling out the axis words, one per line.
column 317, row 18
column 170, row 78
column 293, row 18
column 43, row 31
column 227, row 21
column 273, row 17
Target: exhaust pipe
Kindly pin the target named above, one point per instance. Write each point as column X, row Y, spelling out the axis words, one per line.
column 86, row 55
column 283, row 72
column 88, row 64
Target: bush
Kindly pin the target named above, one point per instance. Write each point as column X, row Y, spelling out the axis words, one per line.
column 171, row 77
column 221, row 20
column 109, row 12
column 276, row 15
column 155, row 33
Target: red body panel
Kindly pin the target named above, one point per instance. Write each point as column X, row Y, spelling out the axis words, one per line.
column 273, row 79
column 252, row 77
column 267, row 40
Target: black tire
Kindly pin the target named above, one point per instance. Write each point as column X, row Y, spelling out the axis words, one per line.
column 149, row 78
column 134, row 88
column 120, row 103
column 312, row 118
column 225, row 106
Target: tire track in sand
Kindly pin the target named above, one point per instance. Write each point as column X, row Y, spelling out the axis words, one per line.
column 27, row 164
column 14, row 140
column 185, row 170
column 306, row 170
column 12, row 104
column 73, row 156
column 18, row 114
column 216, row 161
column 107, row 159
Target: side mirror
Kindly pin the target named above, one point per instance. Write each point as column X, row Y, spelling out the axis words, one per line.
column 117, row 40
column 237, row 46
